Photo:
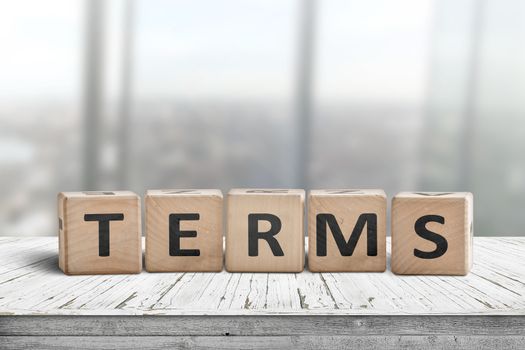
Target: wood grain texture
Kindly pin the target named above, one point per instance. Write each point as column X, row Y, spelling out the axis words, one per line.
column 269, row 342
column 346, row 206
column 456, row 211
column 261, row 325
column 288, row 206
column 160, row 204
column 79, row 238
column 32, row 284
column 40, row 307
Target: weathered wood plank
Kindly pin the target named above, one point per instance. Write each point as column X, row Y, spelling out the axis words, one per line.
column 260, row 325
column 268, row 342
column 31, row 284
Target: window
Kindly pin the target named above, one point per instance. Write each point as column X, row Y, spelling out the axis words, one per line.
column 139, row 94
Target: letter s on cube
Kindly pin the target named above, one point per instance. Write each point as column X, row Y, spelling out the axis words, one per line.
column 432, row 233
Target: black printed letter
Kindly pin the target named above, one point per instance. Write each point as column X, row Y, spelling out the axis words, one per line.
column 254, row 235
column 103, row 229
column 421, row 230
column 176, row 234
column 347, row 248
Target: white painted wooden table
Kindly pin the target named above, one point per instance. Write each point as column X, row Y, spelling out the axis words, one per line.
column 41, row 307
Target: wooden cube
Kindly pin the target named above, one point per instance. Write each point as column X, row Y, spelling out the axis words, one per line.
column 184, row 230
column 265, row 230
column 99, row 232
column 432, row 233
column 347, row 230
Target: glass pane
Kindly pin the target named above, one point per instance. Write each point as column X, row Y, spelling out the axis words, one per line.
column 39, row 111
column 474, row 129
column 213, row 93
column 371, row 75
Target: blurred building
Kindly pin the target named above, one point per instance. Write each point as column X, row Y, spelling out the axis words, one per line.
column 400, row 95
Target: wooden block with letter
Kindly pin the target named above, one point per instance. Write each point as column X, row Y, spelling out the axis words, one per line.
column 184, row 230
column 347, row 230
column 265, row 230
column 432, row 233
column 99, row 232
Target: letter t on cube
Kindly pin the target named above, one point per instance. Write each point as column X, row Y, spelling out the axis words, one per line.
column 99, row 232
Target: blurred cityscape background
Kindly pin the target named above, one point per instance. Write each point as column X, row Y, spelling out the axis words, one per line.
column 399, row 95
